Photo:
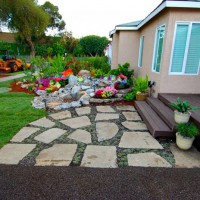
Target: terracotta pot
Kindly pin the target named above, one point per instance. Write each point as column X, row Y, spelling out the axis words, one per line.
column 141, row 96
column 184, row 143
column 181, row 117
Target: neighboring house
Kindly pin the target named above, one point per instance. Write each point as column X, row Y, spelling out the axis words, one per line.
column 108, row 52
column 165, row 45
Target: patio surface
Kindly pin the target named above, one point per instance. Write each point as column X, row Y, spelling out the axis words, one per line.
column 96, row 137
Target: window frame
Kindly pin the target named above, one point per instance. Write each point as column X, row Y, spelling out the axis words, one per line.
column 154, row 50
column 189, row 23
column 141, row 48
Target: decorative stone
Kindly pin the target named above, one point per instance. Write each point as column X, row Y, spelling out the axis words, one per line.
column 85, row 87
column 134, row 125
column 185, row 159
column 83, row 111
column 57, row 155
column 84, row 73
column 75, row 92
column 131, row 116
column 100, row 157
column 105, row 116
column 85, row 99
column 13, row 153
column 139, row 140
column 106, row 109
column 75, row 104
column 77, row 122
column 65, row 105
column 106, row 130
column 72, row 80
column 53, row 104
column 149, row 159
column 43, row 122
column 65, row 96
column 61, row 115
column 24, row 133
column 81, row 136
column 49, row 135
column 128, row 108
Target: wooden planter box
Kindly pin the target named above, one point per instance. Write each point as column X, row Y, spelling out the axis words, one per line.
column 141, row 96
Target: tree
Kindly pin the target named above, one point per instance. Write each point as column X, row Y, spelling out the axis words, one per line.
column 92, row 45
column 25, row 17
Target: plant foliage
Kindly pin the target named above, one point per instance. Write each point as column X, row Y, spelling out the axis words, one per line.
column 141, row 84
column 187, row 130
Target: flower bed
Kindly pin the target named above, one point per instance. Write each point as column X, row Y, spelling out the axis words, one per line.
column 106, row 92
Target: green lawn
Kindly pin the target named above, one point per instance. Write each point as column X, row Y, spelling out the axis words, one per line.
column 16, row 111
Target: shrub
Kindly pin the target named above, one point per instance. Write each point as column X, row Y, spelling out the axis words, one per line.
column 187, row 130
column 141, row 84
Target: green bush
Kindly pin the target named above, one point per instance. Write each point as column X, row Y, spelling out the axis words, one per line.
column 187, row 130
column 141, row 84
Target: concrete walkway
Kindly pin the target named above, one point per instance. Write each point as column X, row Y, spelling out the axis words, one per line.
column 97, row 137
column 12, row 77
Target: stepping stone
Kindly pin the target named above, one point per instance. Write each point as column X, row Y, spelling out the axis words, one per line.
column 104, row 116
column 83, row 111
column 139, row 140
column 106, row 130
column 131, row 116
column 129, row 108
column 149, row 159
column 49, row 135
column 106, row 109
column 100, row 156
column 57, row 155
column 13, row 153
column 134, row 125
column 24, row 133
column 185, row 159
column 43, row 122
column 77, row 122
column 61, row 115
column 81, row 136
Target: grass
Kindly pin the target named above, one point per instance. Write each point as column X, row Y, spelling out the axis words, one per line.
column 16, row 112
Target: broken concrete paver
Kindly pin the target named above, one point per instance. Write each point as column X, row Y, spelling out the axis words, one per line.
column 105, row 109
column 13, row 153
column 43, row 122
column 24, row 133
column 106, row 130
column 148, row 159
column 81, row 136
column 139, row 140
column 105, row 116
column 57, row 155
column 77, row 122
column 185, row 159
column 83, row 111
column 131, row 116
column 61, row 115
column 100, row 156
column 134, row 125
column 50, row 135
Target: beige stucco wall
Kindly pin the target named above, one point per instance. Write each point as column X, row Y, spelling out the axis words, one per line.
column 115, row 47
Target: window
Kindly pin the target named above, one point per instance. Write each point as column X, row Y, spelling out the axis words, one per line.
column 158, row 48
column 186, row 49
column 140, row 51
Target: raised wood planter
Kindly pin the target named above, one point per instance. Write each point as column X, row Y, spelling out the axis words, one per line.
column 141, row 96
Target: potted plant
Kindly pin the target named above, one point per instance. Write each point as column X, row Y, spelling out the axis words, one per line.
column 185, row 135
column 141, row 88
column 182, row 108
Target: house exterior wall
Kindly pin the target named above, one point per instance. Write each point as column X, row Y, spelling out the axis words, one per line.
column 115, row 47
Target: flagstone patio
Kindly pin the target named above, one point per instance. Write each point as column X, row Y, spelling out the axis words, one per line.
column 94, row 136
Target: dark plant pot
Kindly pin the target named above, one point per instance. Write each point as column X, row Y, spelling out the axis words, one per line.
column 141, row 96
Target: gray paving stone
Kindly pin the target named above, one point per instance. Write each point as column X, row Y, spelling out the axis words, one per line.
column 128, row 108
column 100, row 156
column 49, row 135
column 81, row 136
column 106, row 130
column 139, row 140
column 24, row 133
column 105, row 109
column 83, row 111
column 134, row 125
column 131, row 116
column 43, row 122
column 149, row 159
column 13, row 153
column 185, row 159
column 105, row 116
column 57, row 155
column 61, row 115
column 77, row 122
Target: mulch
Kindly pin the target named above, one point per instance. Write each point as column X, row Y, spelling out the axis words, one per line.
column 19, row 182
column 17, row 88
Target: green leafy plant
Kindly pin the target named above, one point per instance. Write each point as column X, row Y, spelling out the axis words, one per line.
column 187, row 130
column 130, row 96
column 141, row 84
column 183, row 106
